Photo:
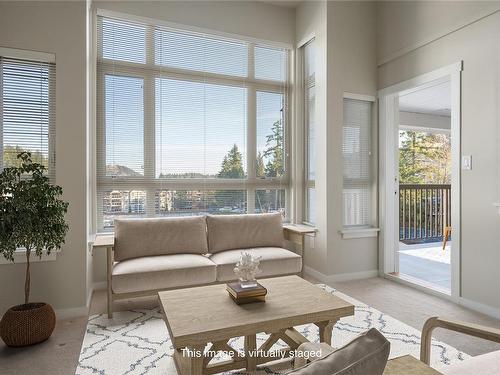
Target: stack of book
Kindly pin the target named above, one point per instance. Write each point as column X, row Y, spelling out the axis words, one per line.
column 246, row 295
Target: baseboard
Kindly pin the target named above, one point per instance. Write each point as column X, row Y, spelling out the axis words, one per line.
column 76, row 312
column 353, row 276
column 329, row 279
column 100, row 285
column 479, row 307
column 315, row 274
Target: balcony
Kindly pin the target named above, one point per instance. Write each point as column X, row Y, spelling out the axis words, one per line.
column 424, row 212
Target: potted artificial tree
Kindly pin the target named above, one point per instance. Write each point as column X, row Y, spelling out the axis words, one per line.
column 31, row 217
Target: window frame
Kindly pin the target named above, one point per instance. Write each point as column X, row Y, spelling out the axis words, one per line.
column 307, row 85
column 149, row 72
column 35, row 57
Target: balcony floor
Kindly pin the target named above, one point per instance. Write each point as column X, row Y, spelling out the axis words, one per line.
column 428, row 263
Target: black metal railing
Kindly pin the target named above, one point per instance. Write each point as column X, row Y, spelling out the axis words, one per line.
column 424, row 211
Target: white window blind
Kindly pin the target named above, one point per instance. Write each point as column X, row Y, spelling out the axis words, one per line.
column 309, row 145
column 188, row 123
column 122, row 41
column 356, row 151
column 27, row 111
column 200, row 53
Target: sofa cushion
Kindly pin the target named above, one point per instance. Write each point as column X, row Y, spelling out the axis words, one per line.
column 485, row 364
column 162, row 272
column 228, row 232
column 275, row 262
column 366, row 354
column 136, row 238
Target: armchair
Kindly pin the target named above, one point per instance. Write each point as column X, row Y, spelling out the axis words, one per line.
column 485, row 364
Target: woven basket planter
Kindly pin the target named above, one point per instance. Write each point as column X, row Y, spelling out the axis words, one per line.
column 27, row 324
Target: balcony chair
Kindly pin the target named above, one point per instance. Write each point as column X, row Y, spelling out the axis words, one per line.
column 446, row 235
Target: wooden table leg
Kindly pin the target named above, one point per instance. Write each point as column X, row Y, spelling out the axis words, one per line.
column 188, row 361
column 250, row 352
column 197, row 365
column 325, row 331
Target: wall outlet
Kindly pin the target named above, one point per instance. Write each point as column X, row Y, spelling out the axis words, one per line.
column 466, row 162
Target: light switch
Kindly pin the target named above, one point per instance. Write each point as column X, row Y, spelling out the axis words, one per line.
column 466, row 162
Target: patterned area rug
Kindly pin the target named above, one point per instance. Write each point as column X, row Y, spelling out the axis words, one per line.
column 136, row 342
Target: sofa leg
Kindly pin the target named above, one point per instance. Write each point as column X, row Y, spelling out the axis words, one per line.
column 109, row 271
column 110, row 305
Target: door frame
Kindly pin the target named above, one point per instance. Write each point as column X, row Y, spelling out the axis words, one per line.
column 389, row 170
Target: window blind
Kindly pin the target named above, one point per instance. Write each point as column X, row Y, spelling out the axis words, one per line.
column 188, row 123
column 356, row 151
column 121, row 40
column 200, row 53
column 27, row 111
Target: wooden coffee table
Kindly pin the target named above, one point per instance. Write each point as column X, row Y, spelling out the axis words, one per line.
column 201, row 315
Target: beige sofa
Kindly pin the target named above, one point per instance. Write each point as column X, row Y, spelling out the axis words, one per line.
column 149, row 255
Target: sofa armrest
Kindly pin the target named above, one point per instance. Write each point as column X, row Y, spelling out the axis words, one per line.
column 296, row 234
column 104, row 241
column 107, row 241
column 298, row 229
column 475, row 330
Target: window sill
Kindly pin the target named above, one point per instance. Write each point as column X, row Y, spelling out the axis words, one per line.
column 20, row 257
column 348, row 233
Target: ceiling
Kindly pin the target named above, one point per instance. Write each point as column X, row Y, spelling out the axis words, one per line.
column 432, row 100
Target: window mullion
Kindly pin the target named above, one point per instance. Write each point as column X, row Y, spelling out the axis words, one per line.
column 251, row 142
column 149, row 140
column 149, row 123
column 251, row 129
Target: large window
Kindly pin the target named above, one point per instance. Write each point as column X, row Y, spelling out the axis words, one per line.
column 356, row 152
column 309, row 145
column 188, row 123
column 27, row 111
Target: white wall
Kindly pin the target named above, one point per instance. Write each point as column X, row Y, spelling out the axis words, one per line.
column 479, row 48
column 56, row 27
column 352, row 69
column 346, row 62
column 405, row 25
column 311, row 21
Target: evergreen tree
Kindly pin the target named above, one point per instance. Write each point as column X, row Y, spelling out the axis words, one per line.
column 424, row 158
column 232, row 164
column 232, row 167
column 275, row 151
column 10, row 158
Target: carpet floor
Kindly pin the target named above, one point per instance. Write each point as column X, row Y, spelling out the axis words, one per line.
column 136, row 341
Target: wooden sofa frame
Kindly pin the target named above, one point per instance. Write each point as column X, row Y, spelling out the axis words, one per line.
column 486, row 333
column 293, row 233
